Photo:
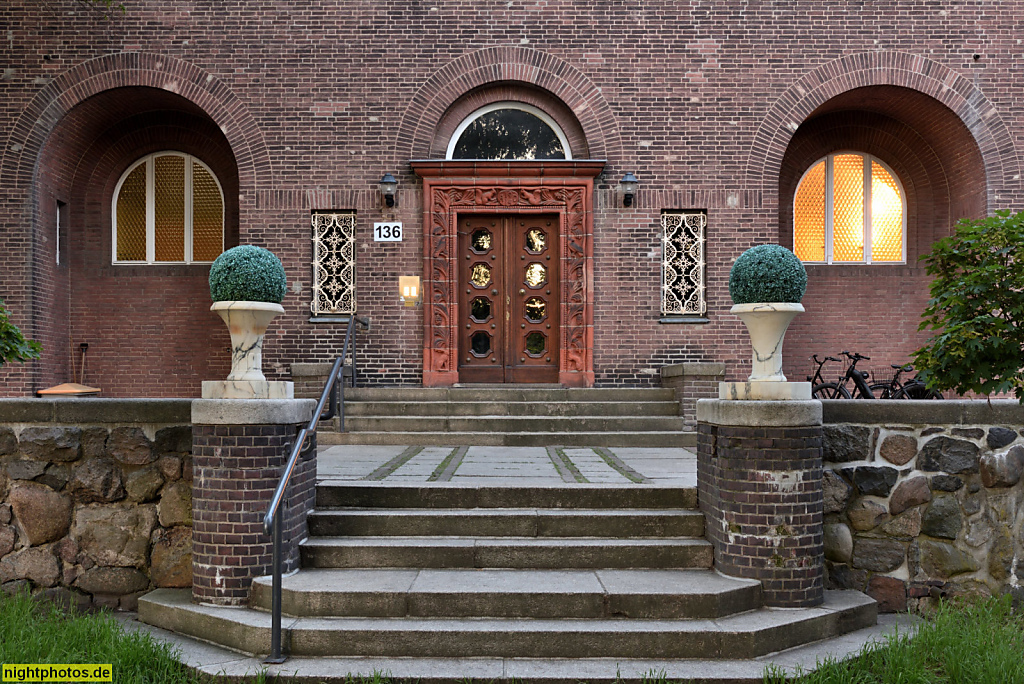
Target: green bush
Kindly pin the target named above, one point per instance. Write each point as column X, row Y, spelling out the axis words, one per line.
column 767, row 273
column 13, row 345
column 976, row 311
column 247, row 273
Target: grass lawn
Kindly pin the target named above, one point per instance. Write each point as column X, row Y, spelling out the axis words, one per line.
column 962, row 643
column 36, row 632
column 976, row 643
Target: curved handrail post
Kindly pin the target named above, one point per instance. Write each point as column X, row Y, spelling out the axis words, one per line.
column 272, row 520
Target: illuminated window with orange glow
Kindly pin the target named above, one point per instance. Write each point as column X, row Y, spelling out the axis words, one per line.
column 168, row 208
column 850, row 208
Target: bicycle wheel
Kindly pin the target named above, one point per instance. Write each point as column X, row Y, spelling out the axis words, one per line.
column 918, row 390
column 830, row 390
column 882, row 390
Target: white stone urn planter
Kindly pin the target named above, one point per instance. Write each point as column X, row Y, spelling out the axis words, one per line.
column 767, row 323
column 247, row 322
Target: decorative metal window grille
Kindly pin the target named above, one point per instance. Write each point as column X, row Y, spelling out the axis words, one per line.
column 334, row 263
column 682, row 267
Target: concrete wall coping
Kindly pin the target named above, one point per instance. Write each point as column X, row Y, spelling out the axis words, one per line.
column 252, row 411
column 71, row 410
column 759, row 413
column 306, row 370
column 695, row 368
column 904, row 412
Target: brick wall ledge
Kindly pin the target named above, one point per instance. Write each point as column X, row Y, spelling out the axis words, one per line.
column 252, row 411
column 311, row 370
column 759, row 413
column 72, row 410
column 903, row 412
column 691, row 369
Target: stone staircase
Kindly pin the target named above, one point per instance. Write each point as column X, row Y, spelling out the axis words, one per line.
column 540, row 584
column 511, row 415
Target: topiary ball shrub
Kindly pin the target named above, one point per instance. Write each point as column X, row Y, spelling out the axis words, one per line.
column 767, row 273
column 247, row 273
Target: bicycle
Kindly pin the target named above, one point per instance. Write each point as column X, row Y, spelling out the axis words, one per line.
column 889, row 390
column 911, row 389
column 838, row 390
column 826, row 390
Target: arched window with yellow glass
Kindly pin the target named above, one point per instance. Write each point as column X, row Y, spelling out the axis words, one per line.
column 168, row 208
column 850, row 208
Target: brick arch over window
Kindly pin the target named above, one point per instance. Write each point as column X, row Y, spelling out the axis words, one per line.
column 38, row 168
column 917, row 165
column 950, row 166
column 427, row 118
column 913, row 72
column 509, row 92
column 34, row 126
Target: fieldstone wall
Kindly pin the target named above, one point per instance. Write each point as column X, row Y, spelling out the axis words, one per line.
column 923, row 500
column 95, row 498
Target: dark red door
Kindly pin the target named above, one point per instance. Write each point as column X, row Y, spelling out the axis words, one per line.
column 508, row 298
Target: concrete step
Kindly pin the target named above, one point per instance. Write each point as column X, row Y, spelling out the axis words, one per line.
column 514, row 424
column 507, row 522
column 439, row 593
column 446, row 495
column 510, row 408
column 509, row 393
column 739, row 636
column 504, row 552
column 217, row 663
column 610, row 439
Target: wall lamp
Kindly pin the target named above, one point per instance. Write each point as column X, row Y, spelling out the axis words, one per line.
column 409, row 286
column 629, row 185
column 388, row 186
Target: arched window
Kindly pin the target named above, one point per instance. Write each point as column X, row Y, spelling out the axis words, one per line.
column 508, row 130
column 168, row 207
column 850, row 208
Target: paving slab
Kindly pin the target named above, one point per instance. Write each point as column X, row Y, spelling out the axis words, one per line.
column 510, row 466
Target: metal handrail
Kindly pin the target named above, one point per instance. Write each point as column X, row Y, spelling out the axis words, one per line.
column 349, row 333
column 272, row 521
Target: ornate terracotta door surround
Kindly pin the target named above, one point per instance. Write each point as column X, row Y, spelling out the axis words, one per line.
column 508, row 297
column 453, row 189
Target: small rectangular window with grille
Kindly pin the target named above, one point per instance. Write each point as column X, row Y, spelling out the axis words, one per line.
column 682, row 263
column 334, row 263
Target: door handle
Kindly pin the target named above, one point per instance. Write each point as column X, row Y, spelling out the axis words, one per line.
column 522, row 292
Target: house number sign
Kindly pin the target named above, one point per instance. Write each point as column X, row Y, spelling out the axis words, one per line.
column 387, row 232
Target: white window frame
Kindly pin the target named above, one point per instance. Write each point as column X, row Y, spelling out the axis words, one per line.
column 510, row 104
column 829, row 160
column 149, row 161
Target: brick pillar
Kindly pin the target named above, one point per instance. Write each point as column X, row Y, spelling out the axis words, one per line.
column 759, row 478
column 239, row 448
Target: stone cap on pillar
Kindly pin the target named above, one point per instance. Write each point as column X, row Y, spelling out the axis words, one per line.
column 252, row 411
column 759, row 413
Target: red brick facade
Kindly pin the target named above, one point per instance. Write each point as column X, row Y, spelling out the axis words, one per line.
column 301, row 106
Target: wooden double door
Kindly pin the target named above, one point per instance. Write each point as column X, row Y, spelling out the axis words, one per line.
column 509, row 298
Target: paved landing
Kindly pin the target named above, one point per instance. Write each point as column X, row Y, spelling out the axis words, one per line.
column 508, row 466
